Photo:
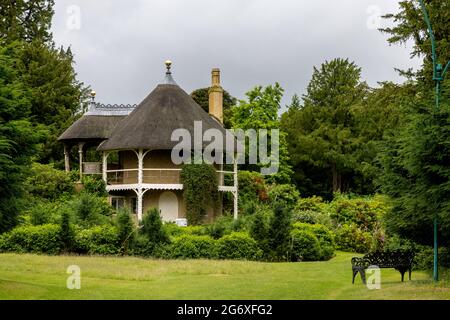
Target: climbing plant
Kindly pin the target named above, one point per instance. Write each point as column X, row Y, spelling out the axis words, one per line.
column 200, row 184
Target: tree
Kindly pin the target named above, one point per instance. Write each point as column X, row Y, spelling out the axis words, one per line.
column 56, row 94
column 321, row 134
column 26, row 20
column 152, row 227
column 279, row 233
column 67, row 233
column 201, row 96
column 409, row 25
column 18, row 137
column 260, row 111
column 125, row 228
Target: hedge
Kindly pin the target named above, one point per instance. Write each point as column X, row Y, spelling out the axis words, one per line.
column 238, row 245
column 32, row 239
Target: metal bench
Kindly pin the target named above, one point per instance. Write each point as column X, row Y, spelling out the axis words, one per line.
column 399, row 260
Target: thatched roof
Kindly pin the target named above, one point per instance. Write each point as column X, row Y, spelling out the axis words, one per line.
column 151, row 124
column 91, row 127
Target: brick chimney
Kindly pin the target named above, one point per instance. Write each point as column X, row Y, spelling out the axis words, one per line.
column 216, row 96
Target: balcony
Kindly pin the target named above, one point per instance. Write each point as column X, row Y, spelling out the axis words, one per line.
column 158, row 178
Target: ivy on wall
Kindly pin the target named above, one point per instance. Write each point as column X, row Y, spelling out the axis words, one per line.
column 200, row 182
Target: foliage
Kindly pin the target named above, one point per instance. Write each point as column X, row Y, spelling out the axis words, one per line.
column 152, row 227
column 252, row 189
column 238, row 245
column 285, row 194
column 305, row 246
column 34, row 239
column 18, row 137
column 416, row 174
column 325, row 147
column 191, row 247
column 260, row 231
column 279, row 233
column 42, row 212
column 200, row 183
column 90, row 210
column 201, row 96
column 94, row 184
column 260, row 111
column 410, row 26
column 26, row 20
column 352, row 239
column 324, row 236
column 125, row 230
column 312, row 210
column 365, row 213
column 49, row 183
column 101, row 239
column 67, row 234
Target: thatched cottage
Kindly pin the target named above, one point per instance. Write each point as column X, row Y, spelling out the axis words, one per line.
column 133, row 144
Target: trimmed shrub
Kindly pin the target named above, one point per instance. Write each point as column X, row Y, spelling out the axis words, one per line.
column 238, row 245
column 190, row 247
column 33, row 239
column 305, row 246
column 97, row 240
column 67, row 233
column 353, row 239
column 312, row 210
column 323, row 235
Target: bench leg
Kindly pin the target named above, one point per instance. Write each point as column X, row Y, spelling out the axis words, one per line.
column 355, row 272
column 363, row 275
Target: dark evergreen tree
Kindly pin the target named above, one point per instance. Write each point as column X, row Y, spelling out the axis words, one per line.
column 279, row 233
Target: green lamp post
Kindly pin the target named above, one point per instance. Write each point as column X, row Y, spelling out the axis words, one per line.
column 438, row 77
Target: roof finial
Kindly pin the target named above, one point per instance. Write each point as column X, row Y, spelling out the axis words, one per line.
column 169, row 79
column 168, row 65
column 93, row 93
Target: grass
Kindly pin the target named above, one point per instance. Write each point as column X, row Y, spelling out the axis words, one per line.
column 44, row 277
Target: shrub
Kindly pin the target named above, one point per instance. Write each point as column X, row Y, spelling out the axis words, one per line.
column 34, row 239
column 323, row 235
column 363, row 212
column 353, row 239
column 125, row 228
column 152, row 227
column 238, row 245
column 305, row 246
column 97, row 240
column 49, row 183
column 43, row 212
column 312, row 210
column 190, row 247
column 67, row 234
column 90, row 209
column 252, row 188
column 285, row 194
column 279, row 233
column 94, row 184
column 141, row 246
column 260, row 231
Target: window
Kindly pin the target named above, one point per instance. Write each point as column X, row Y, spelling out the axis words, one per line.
column 117, row 202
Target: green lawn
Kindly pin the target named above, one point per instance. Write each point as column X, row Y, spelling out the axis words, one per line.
column 44, row 277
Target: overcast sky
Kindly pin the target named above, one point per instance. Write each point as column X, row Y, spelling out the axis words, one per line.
column 120, row 46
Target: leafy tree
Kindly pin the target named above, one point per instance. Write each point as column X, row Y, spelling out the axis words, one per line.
column 152, row 227
column 260, row 111
column 260, row 232
column 322, row 137
column 18, row 137
column 26, row 20
column 201, row 96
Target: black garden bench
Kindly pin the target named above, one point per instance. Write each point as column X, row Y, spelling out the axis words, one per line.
column 399, row 260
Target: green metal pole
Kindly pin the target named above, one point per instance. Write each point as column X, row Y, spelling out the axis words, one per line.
column 433, row 49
